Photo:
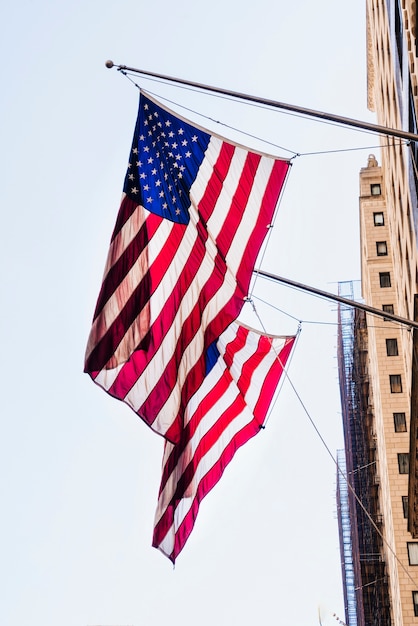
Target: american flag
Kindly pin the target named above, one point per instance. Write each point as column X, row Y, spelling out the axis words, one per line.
column 194, row 213
column 229, row 408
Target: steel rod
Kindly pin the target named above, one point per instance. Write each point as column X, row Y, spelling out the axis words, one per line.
column 330, row 296
column 331, row 117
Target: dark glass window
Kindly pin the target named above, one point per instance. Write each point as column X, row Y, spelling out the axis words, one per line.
column 399, row 419
column 388, row 308
column 381, row 248
column 403, row 463
column 395, row 383
column 415, row 601
column 384, row 278
column 392, row 347
column 375, row 189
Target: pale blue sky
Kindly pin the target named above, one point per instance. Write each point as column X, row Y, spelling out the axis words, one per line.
column 79, row 472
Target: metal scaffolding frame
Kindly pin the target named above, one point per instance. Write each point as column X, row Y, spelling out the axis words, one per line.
column 367, row 569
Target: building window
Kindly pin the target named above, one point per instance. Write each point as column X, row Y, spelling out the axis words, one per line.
column 403, row 463
column 378, row 219
column 384, row 278
column 413, row 552
column 392, row 347
column 381, row 248
column 405, row 506
column 388, row 308
column 399, row 420
column 375, row 189
column 395, row 383
column 415, row 601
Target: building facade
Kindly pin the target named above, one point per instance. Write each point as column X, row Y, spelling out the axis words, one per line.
column 378, row 369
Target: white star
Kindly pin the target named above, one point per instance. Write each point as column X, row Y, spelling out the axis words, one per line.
column 149, row 200
column 181, row 131
column 194, row 138
column 135, row 150
column 134, row 190
column 188, row 154
column 184, row 142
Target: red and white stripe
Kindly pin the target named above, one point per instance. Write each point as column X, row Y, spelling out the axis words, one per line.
column 170, row 290
column 229, row 408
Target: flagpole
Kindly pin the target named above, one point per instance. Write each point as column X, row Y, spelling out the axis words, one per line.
column 331, row 296
column 330, row 117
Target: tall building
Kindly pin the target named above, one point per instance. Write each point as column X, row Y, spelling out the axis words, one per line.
column 378, row 371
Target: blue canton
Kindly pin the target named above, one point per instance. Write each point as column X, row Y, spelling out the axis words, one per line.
column 165, row 158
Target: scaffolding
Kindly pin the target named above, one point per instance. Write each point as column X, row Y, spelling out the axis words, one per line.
column 363, row 564
column 345, row 542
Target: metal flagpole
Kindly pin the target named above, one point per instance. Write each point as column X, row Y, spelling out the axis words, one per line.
column 330, row 117
column 330, row 296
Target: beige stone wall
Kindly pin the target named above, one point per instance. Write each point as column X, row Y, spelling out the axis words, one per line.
column 393, row 484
